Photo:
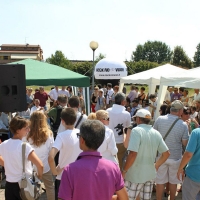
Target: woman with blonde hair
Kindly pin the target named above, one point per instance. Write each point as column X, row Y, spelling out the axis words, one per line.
column 108, row 148
column 92, row 116
column 94, row 98
column 41, row 139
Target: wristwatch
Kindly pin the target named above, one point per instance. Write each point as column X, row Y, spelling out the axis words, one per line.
column 124, row 171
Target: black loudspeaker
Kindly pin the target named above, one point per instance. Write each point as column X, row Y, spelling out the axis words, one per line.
column 12, row 88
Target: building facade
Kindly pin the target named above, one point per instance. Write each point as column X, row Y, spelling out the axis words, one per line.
column 16, row 52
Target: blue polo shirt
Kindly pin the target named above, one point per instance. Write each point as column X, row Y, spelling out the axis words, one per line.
column 193, row 146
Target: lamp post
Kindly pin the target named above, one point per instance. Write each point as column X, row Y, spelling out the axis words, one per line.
column 93, row 45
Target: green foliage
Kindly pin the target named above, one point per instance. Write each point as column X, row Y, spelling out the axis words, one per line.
column 197, row 56
column 99, row 57
column 84, row 68
column 180, row 58
column 59, row 59
column 135, row 67
column 153, row 51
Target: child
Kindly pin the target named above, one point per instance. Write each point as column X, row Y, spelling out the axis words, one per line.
column 11, row 152
column 37, row 106
column 67, row 143
column 100, row 101
column 41, row 139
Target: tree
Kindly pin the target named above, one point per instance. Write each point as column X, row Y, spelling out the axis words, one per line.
column 59, row 59
column 135, row 67
column 84, row 68
column 180, row 58
column 197, row 56
column 153, row 51
column 99, row 57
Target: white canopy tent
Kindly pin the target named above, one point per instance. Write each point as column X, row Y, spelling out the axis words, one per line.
column 188, row 79
column 151, row 77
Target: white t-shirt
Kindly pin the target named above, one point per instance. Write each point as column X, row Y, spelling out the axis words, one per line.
column 167, row 96
column 118, row 115
column 78, row 114
column 53, row 94
column 68, row 145
column 109, row 95
column 108, row 148
column 43, row 152
column 34, row 108
column 63, row 92
column 25, row 114
column 11, row 151
column 196, row 96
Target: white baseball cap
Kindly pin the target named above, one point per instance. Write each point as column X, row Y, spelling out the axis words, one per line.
column 143, row 113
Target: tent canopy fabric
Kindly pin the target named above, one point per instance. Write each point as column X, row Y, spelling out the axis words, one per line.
column 151, row 77
column 146, row 77
column 189, row 79
column 41, row 73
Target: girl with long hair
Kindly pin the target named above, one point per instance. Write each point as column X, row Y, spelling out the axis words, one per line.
column 41, row 139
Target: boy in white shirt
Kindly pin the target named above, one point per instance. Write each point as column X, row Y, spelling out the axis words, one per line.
column 37, row 106
column 67, row 144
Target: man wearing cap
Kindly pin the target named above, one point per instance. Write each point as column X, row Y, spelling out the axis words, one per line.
column 139, row 170
column 177, row 137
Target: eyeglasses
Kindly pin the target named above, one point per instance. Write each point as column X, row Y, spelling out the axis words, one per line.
column 107, row 119
column 78, row 135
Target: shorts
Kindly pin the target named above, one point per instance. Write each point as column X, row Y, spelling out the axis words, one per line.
column 167, row 172
column 144, row 189
column 190, row 189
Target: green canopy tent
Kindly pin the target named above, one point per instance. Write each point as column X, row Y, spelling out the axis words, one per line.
column 44, row 74
column 41, row 73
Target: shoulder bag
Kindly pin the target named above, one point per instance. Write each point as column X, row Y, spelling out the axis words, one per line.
column 30, row 188
column 79, row 120
column 164, row 138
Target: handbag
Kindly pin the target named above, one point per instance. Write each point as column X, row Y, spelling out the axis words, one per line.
column 30, row 186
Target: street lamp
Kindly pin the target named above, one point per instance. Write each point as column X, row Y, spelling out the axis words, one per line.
column 93, row 45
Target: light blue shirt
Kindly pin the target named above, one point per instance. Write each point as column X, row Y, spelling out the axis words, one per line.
column 193, row 146
column 146, row 141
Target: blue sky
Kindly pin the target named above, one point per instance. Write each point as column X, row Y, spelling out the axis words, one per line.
column 117, row 25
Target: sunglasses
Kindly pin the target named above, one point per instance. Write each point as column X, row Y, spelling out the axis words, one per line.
column 107, row 119
column 187, row 113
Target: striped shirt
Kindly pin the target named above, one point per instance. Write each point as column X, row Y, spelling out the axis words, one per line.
column 178, row 133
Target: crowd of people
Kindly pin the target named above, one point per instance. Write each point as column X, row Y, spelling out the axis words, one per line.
column 119, row 151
